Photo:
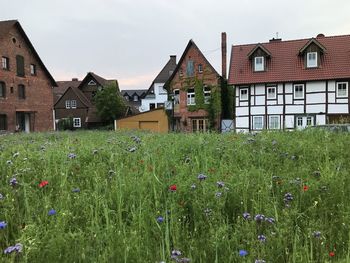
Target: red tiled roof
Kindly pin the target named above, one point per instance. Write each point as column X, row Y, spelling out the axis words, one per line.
column 286, row 64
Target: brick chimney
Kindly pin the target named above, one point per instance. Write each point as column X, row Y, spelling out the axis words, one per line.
column 223, row 54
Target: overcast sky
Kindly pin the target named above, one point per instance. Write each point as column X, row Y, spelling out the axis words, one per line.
column 131, row 40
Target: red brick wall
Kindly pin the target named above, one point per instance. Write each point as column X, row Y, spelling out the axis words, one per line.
column 209, row 77
column 38, row 89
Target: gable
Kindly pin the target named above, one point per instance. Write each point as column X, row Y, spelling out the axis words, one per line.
column 70, row 94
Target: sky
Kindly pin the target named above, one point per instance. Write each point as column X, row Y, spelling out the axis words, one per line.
column 131, row 40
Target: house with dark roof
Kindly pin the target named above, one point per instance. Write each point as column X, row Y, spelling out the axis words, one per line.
column 133, row 97
column 157, row 95
column 291, row 84
column 195, row 88
column 26, row 98
column 74, row 99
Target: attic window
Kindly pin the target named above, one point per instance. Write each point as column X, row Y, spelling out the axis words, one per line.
column 136, row 98
column 311, row 58
column 14, row 40
column 259, row 64
column 91, row 83
column 190, row 68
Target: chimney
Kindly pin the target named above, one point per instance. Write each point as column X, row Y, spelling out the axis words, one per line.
column 223, row 54
column 173, row 58
column 74, row 79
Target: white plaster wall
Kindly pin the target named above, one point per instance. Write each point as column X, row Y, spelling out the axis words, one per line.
column 290, row 109
column 318, row 86
column 260, row 89
column 316, row 98
column 258, row 110
column 242, row 122
column 289, row 99
column 342, row 100
column 271, row 102
column 275, row 110
column 242, row 111
column 320, row 119
column 298, row 102
column 315, row 108
column 289, row 88
column 160, row 97
column 260, row 100
column 243, row 103
column 280, row 88
column 340, row 108
column 280, row 99
column 331, row 86
column 289, row 121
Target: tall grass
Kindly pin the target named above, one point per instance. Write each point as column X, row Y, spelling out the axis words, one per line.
column 108, row 198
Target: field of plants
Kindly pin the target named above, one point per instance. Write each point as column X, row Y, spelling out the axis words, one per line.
column 142, row 197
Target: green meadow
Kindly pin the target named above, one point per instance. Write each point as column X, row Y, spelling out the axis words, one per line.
column 143, row 197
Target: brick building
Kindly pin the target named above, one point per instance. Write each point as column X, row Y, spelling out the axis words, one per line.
column 195, row 88
column 26, row 98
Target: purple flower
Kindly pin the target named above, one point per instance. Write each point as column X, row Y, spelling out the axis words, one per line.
column 3, row 224
column 243, row 252
column 72, row 156
column 13, row 181
column 270, row 220
column 52, row 212
column 176, row 253
column 262, row 238
column 316, row 234
column 246, row 215
column 288, row 197
column 202, row 177
column 259, row 218
column 76, row 190
column 160, row 219
column 17, row 248
column 220, row 184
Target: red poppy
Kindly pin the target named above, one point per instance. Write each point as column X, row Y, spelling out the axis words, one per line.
column 172, row 187
column 43, row 184
column 305, row 188
column 331, row 254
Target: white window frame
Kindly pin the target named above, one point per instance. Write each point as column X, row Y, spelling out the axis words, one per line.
column 76, row 122
column 135, row 98
column 274, row 93
column 274, row 127
column 207, row 94
column 5, row 63
column 73, row 104
column 91, row 83
column 191, row 97
column 200, row 125
column 68, row 106
column 245, row 95
column 346, row 90
column 176, row 96
column 259, row 66
column 311, row 63
column 295, row 92
column 254, row 122
column 200, row 68
column 32, row 69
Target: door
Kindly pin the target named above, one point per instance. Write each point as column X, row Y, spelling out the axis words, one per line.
column 23, row 121
column 304, row 121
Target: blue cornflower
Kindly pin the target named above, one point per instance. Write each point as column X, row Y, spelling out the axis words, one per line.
column 288, row 197
column 220, row 184
column 246, row 215
column 52, row 212
column 259, row 218
column 3, row 224
column 316, row 234
column 17, row 248
column 13, row 181
column 76, row 190
column 72, row 155
column 243, row 252
column 270, row 220
column 160, row 219
column 262, row 238
column 176, row 253
column 202, row 177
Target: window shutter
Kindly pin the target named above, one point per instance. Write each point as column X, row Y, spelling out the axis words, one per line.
column 20, row 65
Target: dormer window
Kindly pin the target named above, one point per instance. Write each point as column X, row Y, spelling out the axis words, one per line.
column 311, row 59
column 136, row 98
column 259, row 64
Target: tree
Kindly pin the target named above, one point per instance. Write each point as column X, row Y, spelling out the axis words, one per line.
column 109, row 103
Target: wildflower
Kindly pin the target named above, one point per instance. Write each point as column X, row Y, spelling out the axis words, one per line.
column 95, row 151
column 259, row 218
column 218, row 194
column 317, row 174
column 332, row 254
column 305, row 188
column 316, row 234
column 9, row 162
column 176, row 253
column 220, row 184
column 274, row 142
column 294, row 157
column 193, row 186
column 52, row 212
column 15, row 154
column 202, row 177
column 76, row 190
column 262, row 238
column 43, row 184
column 187, row 160
column 72, row 156
column 17, row 248
column 160, row 219
column 260, row 261
column 246, row 215
column 3, row 224
column 243, row 252
column 207, row 211
column 132, row 149
column 172, row 187
column 270, row 220
column 136, row 139
column 13, row 181
column 1, row 197
column 288, row 197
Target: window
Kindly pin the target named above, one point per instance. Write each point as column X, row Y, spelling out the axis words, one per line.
column 2, row 90
column 299, row 121
column 160, row 105
column 200, row 68
column 199, row 125
column 73, row 104
column 191, row 97
column 126, row 97
column 32, row 69
column 21, row 92
column 91, row 83
column 311, row 59
column 190, row 68
column 176, row 96
column 207, row 91
column 162, row 90
column 258, row 122
column 152, row 106
column 20, row 65
column 274, row 122
column 243, row 94
column 271, row 93
column 76, row 123
column 299, row 91
column 136, row 98
column 67, row 104
column 259, row 63
column 342, row 89
column 309, row 121
column 181, row 73
column 5, row 63
column 3, row 122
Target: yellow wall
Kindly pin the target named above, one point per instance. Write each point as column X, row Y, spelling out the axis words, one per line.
column 155, row 120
